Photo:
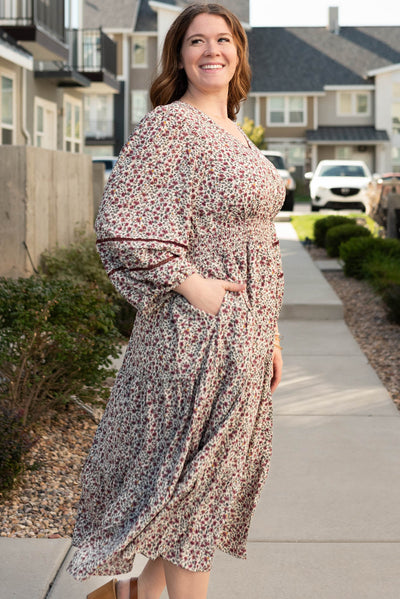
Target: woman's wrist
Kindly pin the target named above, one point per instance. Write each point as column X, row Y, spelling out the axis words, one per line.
column 189, row 286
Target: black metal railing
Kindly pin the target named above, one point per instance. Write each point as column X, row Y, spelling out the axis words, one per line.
column 48, row 14
column 92, row 51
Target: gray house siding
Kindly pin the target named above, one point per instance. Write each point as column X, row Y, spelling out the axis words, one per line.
column 328, row 116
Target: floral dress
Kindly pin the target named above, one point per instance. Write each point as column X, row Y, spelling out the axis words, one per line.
column 179, row 459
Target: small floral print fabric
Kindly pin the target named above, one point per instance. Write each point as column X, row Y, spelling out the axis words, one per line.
column 183, row 449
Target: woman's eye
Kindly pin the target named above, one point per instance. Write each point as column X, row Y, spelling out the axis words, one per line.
column 224, row 39
column 196, row 41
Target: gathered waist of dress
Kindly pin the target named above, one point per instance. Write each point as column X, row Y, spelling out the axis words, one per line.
column 234, row 234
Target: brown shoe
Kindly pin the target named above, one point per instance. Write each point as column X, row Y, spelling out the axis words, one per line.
column 107, row 591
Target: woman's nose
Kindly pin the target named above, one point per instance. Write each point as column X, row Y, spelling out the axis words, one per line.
column 211, row 49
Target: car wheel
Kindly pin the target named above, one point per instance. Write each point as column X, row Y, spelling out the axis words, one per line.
column 314, row 208
column 289, row 201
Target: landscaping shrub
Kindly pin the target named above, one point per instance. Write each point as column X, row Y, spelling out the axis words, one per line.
column 391, row 298
column 56, row 339
column 80, row 263
column 15, row 442
column 382, row 271
column 356, row 252
column 337, row 235
column 322, row 225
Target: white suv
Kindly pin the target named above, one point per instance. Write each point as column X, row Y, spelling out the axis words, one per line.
column 339, row 184
column 278, row 161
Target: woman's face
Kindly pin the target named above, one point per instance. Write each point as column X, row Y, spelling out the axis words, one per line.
column 209, row 55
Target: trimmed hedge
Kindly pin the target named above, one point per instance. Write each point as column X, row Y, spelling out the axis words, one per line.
column 341, row 233
column 356, row 252
column 322, row 225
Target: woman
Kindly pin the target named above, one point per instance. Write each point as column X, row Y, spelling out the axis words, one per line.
column 185, row 233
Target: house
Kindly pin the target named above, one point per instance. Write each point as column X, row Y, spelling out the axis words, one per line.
column 138, row 28
column 46, row 68
column 48, row 186
column 328, row 92
column 320, row 92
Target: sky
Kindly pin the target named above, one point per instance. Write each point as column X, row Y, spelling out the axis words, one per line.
column 314, row 13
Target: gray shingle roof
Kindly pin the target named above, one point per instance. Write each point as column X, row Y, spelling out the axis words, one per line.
column 346, row 134
column 308, row 58
column 118, row 14
column 239, row 7
column 147, row 18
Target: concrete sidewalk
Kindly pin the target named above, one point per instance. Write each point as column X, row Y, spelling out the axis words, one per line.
column 328, row 524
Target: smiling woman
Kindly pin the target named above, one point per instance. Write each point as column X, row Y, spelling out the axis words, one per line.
column 186, row 234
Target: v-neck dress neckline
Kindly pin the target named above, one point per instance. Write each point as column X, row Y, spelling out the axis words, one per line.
column 246, row 145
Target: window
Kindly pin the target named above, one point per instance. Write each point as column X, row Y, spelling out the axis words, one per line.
column 99, row 120
column 139, row 105
column 139, row 51
column 396, row 118
column 7, row 109
column 286, row 110
column 45, row 124
column 277, row 110
column 344, row 152
column 395, row 159
column 396, row 90
column 353, row 103
column 72, row 124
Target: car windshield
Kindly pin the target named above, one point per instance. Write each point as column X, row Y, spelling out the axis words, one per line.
column 342, row 170
column 277, row 161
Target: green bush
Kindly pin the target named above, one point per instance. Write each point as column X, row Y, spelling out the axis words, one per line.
column 382, row 271
column 337, row 235
column 322, row 225
column 56, row 339
column 80, row 262
column 391, row 298
column 15, row 442
column 356, row 252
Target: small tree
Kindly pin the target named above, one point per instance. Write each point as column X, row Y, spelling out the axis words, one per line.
column 256, row 134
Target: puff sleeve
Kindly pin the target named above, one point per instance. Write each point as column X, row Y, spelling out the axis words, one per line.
column 144, row 223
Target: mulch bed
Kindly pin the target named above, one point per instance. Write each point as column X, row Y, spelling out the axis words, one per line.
column 45, row 500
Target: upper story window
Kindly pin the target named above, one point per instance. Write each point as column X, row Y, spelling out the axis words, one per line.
column 72, row 124
column 139, row 105
column 286, row 111
column 139, row 51
column 396, row 90
column 353, row 103
column 99, row 118
column 7, row 108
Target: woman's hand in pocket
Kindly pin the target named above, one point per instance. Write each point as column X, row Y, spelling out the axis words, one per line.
column 207, row 294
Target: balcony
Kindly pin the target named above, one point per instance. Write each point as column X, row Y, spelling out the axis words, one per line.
column 94, row 55
column 37, row 25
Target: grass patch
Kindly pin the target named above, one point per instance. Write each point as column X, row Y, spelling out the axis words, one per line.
column 304, row 224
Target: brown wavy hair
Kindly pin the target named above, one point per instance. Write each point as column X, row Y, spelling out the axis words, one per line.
column 172, row 82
